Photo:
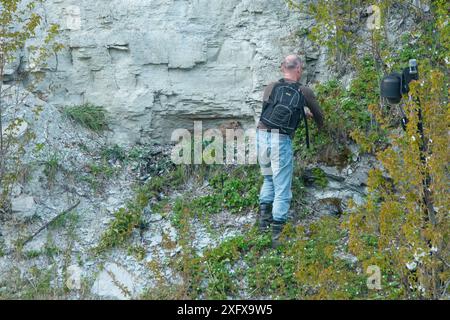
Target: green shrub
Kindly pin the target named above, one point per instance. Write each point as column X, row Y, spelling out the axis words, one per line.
column 120, row 229
column 348, row 117
column 98, row 174
column 101, row 170
column 234, row 191
column 127, row 219
column 305, row 267
column 51, row 167
column 88, row 115
column 114, row 153
column 320, row 177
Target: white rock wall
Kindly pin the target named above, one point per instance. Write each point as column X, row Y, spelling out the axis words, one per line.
column 157, row 65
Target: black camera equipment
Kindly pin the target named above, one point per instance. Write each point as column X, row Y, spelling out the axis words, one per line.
column 395, row 85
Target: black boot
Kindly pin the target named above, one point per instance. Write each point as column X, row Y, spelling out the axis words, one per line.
column 277, row 229
column 265, row 216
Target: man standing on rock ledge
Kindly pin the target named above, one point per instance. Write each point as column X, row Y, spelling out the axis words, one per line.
column 286, row 103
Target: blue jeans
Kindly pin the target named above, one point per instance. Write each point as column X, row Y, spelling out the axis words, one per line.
column 275, row 157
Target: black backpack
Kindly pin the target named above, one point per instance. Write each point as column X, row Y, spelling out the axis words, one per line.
column 285, row 108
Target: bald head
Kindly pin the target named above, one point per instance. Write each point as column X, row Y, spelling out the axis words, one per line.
column 292, row 67
column 291, row 62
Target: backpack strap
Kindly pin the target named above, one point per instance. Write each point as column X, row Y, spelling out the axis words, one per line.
column 305, row 118
column 306, row 128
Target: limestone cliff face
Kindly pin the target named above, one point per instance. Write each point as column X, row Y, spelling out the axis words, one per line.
column 157, row 65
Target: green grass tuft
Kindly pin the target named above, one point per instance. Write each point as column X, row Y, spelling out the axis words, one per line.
column 89, row 116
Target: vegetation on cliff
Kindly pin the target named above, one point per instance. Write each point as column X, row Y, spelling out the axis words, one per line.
column 393, row 246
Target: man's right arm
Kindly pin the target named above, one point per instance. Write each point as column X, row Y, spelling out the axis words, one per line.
column 313, row 106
